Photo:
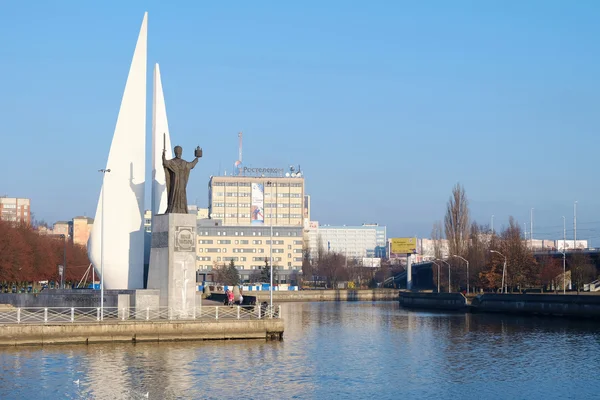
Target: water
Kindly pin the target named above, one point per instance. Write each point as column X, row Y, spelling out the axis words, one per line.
column 330, row 351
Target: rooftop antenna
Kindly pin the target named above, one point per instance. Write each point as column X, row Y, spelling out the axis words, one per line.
column 238, row 163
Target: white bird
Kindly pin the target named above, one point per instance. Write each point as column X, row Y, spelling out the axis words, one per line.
column 76, row 382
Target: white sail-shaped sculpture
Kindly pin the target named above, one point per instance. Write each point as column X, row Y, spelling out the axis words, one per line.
column 119, row 216
column 160, row 140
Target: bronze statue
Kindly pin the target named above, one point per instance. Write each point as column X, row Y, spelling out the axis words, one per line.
column 177, row 172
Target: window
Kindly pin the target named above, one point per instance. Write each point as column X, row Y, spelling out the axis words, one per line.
column 257, row 242
column 218, row 184
column 297, row 250
column 223, row 241
column 205, row 241
column 213, row 250
column 289, row 255
column 243, row 242
column 224, row 250
column 199, row 250
column 289, row 264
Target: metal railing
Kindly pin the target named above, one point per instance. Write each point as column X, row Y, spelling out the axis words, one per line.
column 54, row 315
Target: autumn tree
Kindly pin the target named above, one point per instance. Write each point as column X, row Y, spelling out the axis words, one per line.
column 582, row 269
column 521, row 268
column 550, row 271
column 456, row 221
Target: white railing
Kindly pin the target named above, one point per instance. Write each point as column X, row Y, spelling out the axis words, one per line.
column 54, row 315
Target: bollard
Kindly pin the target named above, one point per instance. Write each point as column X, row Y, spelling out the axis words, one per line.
column 45, row 315
column 238, row 312
column 217, row 312
column 97, row 313
column 147, row 313
column 72, row 314
column 19, row 315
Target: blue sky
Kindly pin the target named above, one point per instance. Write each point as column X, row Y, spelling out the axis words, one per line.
column 384, row 104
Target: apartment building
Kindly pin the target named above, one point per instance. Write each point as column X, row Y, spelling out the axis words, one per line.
column 15, row 209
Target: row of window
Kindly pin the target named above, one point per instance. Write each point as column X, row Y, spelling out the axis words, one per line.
column 247, row 194
column 224, row 233
column 254, row 267
column 248, row 184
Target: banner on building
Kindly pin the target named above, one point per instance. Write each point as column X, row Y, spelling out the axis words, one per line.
column 404, row 245
column 257, row 205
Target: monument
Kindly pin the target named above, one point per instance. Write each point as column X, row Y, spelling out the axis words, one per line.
column 172, row 267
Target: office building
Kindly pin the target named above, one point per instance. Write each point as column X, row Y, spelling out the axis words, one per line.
column 257, row 200
column 248, row 246
column 356, row 242
column 14, row 209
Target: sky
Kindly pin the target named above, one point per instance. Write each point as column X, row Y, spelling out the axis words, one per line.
column 385, row 105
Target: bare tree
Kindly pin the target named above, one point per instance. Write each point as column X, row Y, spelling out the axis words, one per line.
column 456, row 221
column 436, row 237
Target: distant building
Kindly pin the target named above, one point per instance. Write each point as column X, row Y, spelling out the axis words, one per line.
column 61, row 228
column 356, row 242
column 80, row 228
column 15, row 209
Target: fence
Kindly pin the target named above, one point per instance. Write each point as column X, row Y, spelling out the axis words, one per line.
column 53, row 315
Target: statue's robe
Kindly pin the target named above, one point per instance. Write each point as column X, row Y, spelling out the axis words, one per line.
column 177, row 172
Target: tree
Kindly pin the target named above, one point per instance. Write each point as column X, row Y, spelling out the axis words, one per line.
column 521, row 265
column 550, row 270
column 456, row 221
column 227, row 274
column 265, row 273
column 436, row 237
column 582, row 270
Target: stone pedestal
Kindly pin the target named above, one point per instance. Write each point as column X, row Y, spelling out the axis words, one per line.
column 172, row 267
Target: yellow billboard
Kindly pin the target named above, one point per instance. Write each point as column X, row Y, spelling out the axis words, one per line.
column 404, row 245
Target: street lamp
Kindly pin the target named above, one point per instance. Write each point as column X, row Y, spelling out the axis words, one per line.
column 503, row 269
column 564, row 253
column 104, row 171
column 445, row 262
column 438, row 274
column 270, row 184
column 465, row 260
column 64, row 271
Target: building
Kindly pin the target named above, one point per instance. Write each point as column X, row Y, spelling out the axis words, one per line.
column 306, row 208
column 257, row 200
column 80, row 229
column 248, row 246
column 15, row 209
column 355, row 242
column 62, row 228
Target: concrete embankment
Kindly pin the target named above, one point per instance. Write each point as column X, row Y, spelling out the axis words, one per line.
column 581, row 306
column 577, row 306
column 437, row 301
column 327, row 295
column 133, row 331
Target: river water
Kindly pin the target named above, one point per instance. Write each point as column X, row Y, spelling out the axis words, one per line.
column 330, row 351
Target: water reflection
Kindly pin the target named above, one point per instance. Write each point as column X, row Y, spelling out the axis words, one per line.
column 330, row 350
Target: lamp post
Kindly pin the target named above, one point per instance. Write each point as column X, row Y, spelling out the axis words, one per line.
column 564, row 253
column 467, row 261
column 503, row 269
column 438, row 275
column 270, row 184
column 62, row 277
column 575, row 225
column 104, row 171
column 445, row 262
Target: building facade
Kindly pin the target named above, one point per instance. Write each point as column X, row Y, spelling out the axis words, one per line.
column 356, row 242
column 80, row 229
column 15, row 209
column 256, row 200
column 248, row 247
